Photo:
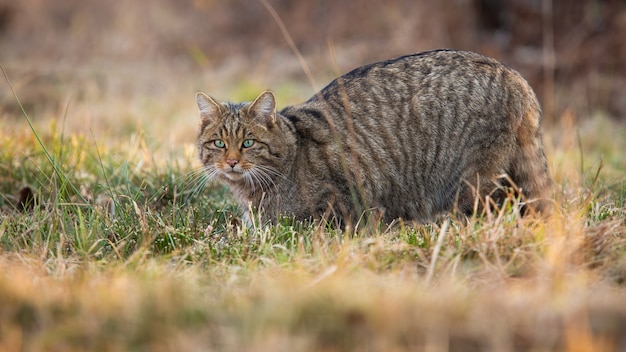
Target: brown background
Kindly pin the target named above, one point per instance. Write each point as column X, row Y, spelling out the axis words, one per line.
column 572, row 52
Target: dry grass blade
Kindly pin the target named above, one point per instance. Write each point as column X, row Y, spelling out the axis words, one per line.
column 291, row 43
column 433, row 260
column 57, row 169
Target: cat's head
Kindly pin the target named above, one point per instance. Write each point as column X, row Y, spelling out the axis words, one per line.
column 245, row 143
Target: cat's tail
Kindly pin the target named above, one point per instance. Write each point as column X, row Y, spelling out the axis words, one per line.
column 529, row 167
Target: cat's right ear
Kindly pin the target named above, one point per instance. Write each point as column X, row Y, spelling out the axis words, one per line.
column 263, row 108
column 210, row 110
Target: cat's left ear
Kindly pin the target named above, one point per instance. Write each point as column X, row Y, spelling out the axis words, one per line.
column 210, row 110
column 263, row 108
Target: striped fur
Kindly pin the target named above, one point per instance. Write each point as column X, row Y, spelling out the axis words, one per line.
column 412, row 137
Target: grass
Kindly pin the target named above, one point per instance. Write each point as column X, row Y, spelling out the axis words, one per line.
column 117, row 250
column 118, row 253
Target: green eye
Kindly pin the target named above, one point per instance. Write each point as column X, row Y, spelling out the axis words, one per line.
column 219, row 143
column 248, row 143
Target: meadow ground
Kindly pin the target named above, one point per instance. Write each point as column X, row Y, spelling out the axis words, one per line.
column 106, row 243
column 117, row 250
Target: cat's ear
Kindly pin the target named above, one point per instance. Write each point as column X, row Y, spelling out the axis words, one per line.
column 210, row 110
column 263, row 108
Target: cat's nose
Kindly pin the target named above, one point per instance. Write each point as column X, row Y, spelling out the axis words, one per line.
column 232, row 162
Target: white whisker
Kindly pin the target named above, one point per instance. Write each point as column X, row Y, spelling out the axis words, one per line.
column 195, row 181
column 263, row 180
column 272, row 171
column 263, row 177
column 249, row 180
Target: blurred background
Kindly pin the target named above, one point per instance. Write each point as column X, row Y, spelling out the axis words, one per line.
column 116, row 66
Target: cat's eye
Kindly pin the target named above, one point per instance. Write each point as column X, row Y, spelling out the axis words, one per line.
column 219, row 143
column 248, row 143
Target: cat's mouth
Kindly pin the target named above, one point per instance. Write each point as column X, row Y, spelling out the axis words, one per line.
column 233, row 175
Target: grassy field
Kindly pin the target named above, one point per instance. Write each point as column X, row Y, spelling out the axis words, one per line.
column 118, row 249
column 108, row 242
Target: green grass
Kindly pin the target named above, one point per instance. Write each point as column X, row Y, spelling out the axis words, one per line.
column 120, row 253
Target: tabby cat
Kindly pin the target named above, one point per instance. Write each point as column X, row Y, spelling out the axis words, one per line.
column 411, row 137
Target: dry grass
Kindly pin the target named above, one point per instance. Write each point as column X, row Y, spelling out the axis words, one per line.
column 142, row 263
column 117, row 252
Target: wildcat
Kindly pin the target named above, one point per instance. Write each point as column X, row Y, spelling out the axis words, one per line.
column 412, row 137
